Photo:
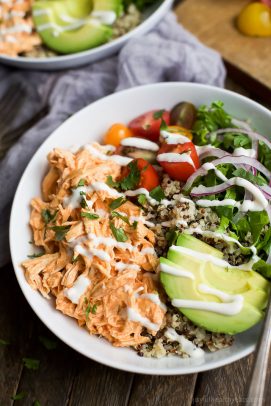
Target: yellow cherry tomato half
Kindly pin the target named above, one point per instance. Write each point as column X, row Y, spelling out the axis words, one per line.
column 176, row 129
column 255, row 20
column 116, row 133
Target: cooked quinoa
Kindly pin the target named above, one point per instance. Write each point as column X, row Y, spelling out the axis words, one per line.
column 184, row 214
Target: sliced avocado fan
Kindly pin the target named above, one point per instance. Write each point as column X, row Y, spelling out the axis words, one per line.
column 69, row 26
column 197, row 274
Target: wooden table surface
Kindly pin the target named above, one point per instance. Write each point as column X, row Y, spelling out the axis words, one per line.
column 65, row 377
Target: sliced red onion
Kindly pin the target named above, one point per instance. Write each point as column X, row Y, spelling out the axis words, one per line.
column 206, row 151
column 241, row 124
column 254, row 136
column 229, row 159
column 268, row 210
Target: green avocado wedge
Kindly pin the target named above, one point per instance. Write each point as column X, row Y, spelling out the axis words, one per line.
column 70, row 26
column 190, row 275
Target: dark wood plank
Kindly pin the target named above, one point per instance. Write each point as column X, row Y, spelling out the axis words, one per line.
column 163, row 390
column 224, row 386
column 97, row 385
column 15, row 327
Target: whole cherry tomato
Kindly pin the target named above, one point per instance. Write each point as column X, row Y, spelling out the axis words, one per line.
column 116, row 133
column 149, row 178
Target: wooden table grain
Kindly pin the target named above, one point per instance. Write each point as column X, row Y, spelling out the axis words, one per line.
column 66, row 378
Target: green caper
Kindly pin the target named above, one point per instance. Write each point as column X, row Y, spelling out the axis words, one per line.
column 183, row 114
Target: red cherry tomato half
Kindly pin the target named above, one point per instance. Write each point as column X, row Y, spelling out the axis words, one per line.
column 149, row 178
column 148, row 125
column 180, row 170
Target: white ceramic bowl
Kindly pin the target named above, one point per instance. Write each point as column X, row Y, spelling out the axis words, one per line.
column 88, row 125
column 151, row 16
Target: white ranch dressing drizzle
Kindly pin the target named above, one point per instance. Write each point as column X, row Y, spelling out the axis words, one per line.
column 174, row 157
column 176, row 271
column 155, row 299
column 187, row 346
column 133, row 315
column 41, row 12
column 16, row 29
column 148, row 251
column 244, row 152
column 209, row 166
column 76, row 291
column 122, row 266
column 260, row 202
column 110, row 242
column 92, row 252
column 174, row 138
column 105, row 17
column 214, row 260
column 145, row 192
column 220, row 236
column 140, row 143
column 121, row 160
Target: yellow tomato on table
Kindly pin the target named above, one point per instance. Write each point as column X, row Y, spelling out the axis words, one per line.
column 255, row 20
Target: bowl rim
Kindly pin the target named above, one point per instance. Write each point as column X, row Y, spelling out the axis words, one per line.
column 96, row 357
column 104, row 48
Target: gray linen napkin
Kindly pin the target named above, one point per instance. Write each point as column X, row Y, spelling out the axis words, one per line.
column 168, row 53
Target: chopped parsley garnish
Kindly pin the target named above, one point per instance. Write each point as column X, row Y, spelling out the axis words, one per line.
column 158, row 114
column 142, row 199
column 4, row 342
column 163, row 125
column 118, row 233
column 83, row 203
column 47, row 216
column 48, row 343
column 75, row 259
column 157, row 193
column 31, row 363
column 257, row 180
column 35, row 255
column 19, row 396
column 90, row 216
column 117, row 203
column 81, row 182
column 129, row 182
column 134, row 225
column 120, row 216
column 89, row 308
column 82, row 193
column 60, row 231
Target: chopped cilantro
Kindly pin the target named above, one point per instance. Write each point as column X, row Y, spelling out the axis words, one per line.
column 120, row 216
column 47, row 216
column 163, row 125
column 75, row 259
column 158, row 114
column 142, row 199
column 157, row 193
column 81, row 182
column 4, row 342
column 89, row 308
column 110, row 182
column 257, row 180
column 94, row 309
column 83, row 203
column 82, row 193
column 19, row 396
column 90, row 216
column 117, row 203
column 134, row 225
column 48, row 343
column 35, row 255
column 131, row 181
column 31, row 363
column 60, row 231
column 118, row 233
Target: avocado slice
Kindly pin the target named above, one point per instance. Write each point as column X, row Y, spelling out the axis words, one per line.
column 253, row 288
column 69, row 26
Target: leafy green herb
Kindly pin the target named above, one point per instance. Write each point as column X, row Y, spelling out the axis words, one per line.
column 141, row 199
column 94, row 309
column 90, row 309
column 75, row 259
column 264, row 155
column 90, row 216
column 163, row 125
column 60, row 231
column 120, row 216
column 35, row 255
column 83, row 203
column 19, row 396
column 48, row 343
column 257, row 180
column 118, row 233
column 135, row 224
column 171, row 237
column 37, row 403
column 31, row 363
column 47, row 216
column 157, row 193
column 131, row 181
column 117, row 203
column 110, row 182
column 81, row 182
column 224, row 223
column 4, row 342
column 82, row 193
column 158, row 114
column 263, row 268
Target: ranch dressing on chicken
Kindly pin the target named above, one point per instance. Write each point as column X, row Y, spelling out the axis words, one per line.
column 77, row 290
